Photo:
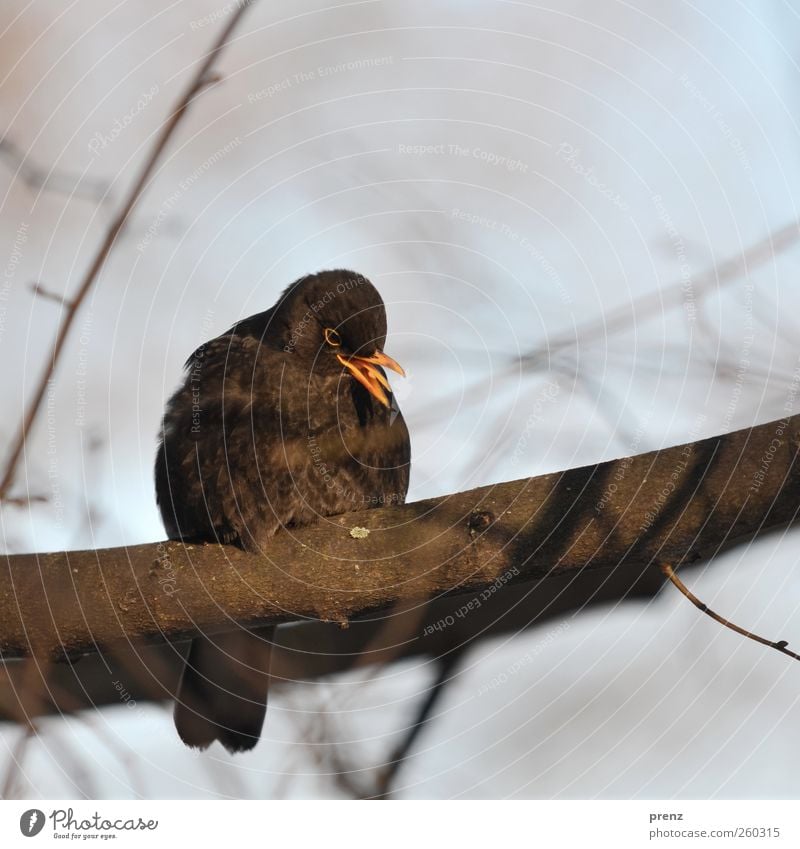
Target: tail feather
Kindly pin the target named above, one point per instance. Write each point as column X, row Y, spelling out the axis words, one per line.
column 223, row 692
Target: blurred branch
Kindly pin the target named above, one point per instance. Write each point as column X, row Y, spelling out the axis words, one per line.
column 388, row 774
column 202, row 79
column 676, row 506
column 648, row 306
column 627, row 316
column 47, row 295
column 35, row 177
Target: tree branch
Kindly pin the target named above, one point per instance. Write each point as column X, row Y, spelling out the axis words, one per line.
column 779, row 645
column 388, row 773
column 201, row 80
column 312, row 650
column 672, row 506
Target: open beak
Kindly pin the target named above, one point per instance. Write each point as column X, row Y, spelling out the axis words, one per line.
column 365, row 370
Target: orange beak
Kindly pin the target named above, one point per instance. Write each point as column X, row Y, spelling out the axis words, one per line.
column 365, row 371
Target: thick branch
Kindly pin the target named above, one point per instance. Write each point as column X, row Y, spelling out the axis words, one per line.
column 306, row 652
column 677, row 505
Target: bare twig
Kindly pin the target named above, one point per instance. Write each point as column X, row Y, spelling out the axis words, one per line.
column 389, row 772
column 36, row 177
column 647, row 306
column 780, row 645
column 47, row 295
column 201, row 80
column 636, row 311
column 26, row 500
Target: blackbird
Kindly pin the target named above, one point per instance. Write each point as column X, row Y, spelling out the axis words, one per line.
column 286, row 417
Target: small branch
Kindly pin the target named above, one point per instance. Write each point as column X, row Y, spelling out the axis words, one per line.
column 54, row 181
column 197, row 84
column 634, row 313
column 653, row 304
column 209, row 81
column 47, row 295
column 389, row 772
column 25, row 500
column 780, row 645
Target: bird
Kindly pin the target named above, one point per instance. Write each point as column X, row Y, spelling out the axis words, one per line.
column 286, row 418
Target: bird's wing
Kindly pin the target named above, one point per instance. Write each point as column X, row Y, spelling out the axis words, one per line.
column 205, row 468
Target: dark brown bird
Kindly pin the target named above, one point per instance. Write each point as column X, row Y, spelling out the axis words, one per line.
column 285, row 418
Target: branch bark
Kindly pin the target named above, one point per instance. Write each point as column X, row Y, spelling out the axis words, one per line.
column 676, row 506
column 306, row 652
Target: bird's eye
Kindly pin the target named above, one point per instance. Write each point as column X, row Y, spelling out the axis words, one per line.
column 332, row 337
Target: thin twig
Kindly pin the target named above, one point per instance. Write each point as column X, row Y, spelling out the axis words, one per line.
column 652, row 304
column 26, row 500
column 780, row 645
column 401, row 752
column 633, row 313
column 47, row 295
column 199, row 82
column 41, row 179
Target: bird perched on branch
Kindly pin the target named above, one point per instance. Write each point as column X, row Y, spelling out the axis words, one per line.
column 285, row 418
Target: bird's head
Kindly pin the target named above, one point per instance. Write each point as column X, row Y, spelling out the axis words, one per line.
column 337, row 320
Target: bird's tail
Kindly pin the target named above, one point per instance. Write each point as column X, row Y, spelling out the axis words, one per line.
column 223, row 692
